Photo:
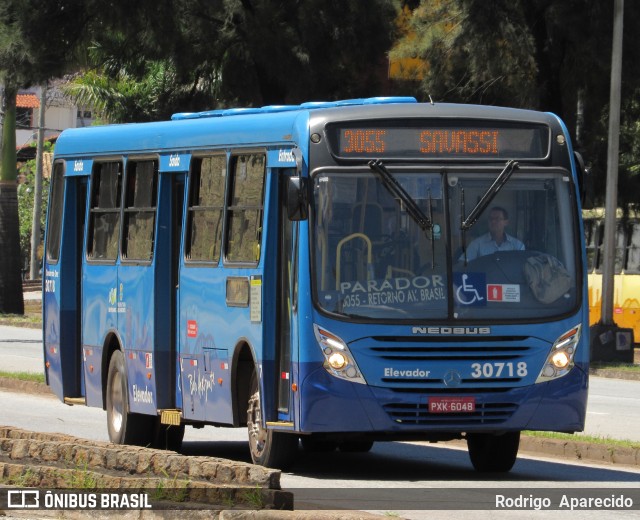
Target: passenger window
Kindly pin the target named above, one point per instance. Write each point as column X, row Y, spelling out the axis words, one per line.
column 140, row 210
column 104, row 224
column 55, row 213
column 206, row 208
column 244, row 225
column 590, row 238
column 633, row 248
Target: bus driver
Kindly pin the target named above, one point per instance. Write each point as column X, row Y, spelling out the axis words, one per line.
column 497, row 239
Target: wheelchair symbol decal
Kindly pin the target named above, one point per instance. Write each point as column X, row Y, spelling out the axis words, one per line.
column 469, row 288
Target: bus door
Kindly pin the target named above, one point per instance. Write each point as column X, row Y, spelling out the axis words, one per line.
column 177, row 215
column 167, row 258
column 62, row 297
column 286, row 329
column 136, row 290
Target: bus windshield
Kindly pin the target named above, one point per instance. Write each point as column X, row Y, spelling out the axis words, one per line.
column 375, row 259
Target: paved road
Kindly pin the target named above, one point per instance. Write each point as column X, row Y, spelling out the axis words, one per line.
column 21, row 350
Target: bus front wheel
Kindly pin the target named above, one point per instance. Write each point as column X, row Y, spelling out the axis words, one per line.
column 491, row 453
column 124, row 427
column 268, row 448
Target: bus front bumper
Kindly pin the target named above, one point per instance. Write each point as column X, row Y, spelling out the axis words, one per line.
column 331, row 405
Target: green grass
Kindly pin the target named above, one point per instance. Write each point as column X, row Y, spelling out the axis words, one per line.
column 23, row 376
column 585, row 438
column 32, row 317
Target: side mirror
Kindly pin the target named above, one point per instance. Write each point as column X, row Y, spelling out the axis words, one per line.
column 297, row 198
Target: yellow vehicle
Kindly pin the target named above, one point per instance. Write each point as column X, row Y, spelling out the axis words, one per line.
column 626, row 299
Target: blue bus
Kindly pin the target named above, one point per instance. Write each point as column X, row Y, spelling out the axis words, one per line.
column 327, row 275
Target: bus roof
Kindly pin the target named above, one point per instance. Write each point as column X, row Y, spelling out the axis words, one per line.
column 265, row 126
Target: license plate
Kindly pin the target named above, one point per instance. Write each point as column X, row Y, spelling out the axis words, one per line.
column 452, row 404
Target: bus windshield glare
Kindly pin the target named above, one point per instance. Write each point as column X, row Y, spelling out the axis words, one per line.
column 374, row 260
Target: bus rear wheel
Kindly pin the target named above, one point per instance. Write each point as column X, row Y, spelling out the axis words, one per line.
column 491, row 453
column 268, row 448
column 124, row 427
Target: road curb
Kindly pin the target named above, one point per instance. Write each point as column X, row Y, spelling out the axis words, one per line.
column 613, row 373
column 24, row 387
column 57, row 461
column 580, row 450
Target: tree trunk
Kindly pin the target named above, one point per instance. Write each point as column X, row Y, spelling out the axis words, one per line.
column 34, row 264
column 11, row 300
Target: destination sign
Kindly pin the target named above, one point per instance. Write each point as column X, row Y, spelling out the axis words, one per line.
column 495, row 142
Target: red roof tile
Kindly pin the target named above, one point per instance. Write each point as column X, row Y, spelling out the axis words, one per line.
column 27, row 101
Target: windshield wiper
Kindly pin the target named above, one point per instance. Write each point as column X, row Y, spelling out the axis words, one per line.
column 467, row 222
column 486, row 199
column 396, row 189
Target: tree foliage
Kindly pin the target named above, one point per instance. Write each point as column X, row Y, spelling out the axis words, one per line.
column 552, row 55
column 36, row 41
column 203, row 54
column 470, row 53
column 26, row 196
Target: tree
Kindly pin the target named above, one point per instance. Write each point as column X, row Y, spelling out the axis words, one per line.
column 237, row 52
column 120, row 96
column 312, row 49
column 35, row 43
column 477, row 52
column 629, row 164
column 551, row 55
column 26, row 202
column 11, row 53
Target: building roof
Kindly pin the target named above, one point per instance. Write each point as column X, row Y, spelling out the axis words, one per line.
column 28, row 152
column 27, row 101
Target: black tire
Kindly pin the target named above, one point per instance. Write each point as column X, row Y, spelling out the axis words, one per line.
column 493, row 453
column 124, row 427
column 268, row 448
column 356, row 446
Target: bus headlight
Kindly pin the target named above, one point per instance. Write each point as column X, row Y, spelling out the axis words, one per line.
column 338, row 360
column 560, row 359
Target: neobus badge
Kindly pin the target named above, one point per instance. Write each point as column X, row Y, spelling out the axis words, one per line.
column 452, row 330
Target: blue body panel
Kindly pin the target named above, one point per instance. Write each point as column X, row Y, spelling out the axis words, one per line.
column 334, row 405
column 208, row 332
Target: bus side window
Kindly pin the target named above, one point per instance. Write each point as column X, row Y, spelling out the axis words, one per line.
column 140, row 210
column 206, row 208
column 621, row 243
column 55, row 213
column 590, row 227
column 244, row 226
column 633, row 248
column 104, row 224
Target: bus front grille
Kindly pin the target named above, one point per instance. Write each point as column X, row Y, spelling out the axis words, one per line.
column 447, row 351
column 419, row 415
